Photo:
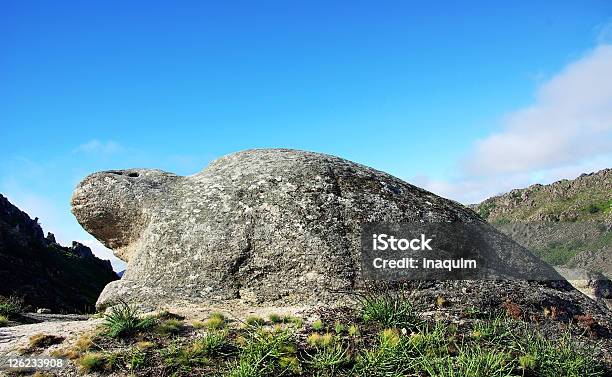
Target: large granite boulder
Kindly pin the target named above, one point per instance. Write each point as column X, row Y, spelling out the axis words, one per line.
column 271, row 226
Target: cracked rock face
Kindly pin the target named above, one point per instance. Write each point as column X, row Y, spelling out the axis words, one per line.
column 271, row 226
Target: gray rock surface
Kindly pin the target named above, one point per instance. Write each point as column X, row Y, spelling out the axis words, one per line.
column 271, row 226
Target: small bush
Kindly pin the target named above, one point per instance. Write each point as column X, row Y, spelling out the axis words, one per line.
column 182, row 358
column 136, row 359
column 11, row 306
column 560, row 357
column 389, row 338
column 353, row 331
column 317, row 340
column 317, row 325
column 125, row 320
column 3, row 321
column 327, row 339
column 198, row 353
column 296, row 321
column 527, row 362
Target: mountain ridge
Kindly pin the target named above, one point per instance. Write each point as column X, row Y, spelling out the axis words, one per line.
column 44, row 273
column 567, row 223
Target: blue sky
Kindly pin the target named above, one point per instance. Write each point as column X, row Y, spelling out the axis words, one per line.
column 468, row 99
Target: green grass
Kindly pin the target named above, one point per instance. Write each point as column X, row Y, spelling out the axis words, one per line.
column 213, row 344
column 199, row 353
column 124, row 320
column 388, row 310
column 603, row 207
column 215, row 321
column 275, row 318
column 327, row 360
column 474, row 362
column 265, row 352
column 3, row 321
column 497, row 330
column 92, row 362
column 255, row 321
column 552, row 358
column 493, row 345
column 387, row 358
column 169, row 327
column 559, row 253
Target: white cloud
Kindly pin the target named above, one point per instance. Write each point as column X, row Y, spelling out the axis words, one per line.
column 571, row 120
column 568, row 130
column 98, row 147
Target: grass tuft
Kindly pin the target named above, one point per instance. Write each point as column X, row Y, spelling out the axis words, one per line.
column 328, row 360
column 124, row 320
column 255, row 321
column 265, row 352
column 92, row 362
column 215, row 321
column 275, row 318
column 169, row 327
column 389, row 310
column 317, row 325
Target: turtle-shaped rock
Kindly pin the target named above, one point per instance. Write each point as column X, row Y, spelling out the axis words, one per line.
column 272, row 226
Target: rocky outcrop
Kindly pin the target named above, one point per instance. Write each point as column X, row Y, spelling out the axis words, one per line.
column 567, row 223
column 264, row 226
column 42, row 272
column 586, row 198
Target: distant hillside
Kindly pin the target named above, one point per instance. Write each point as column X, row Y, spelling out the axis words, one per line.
column 568, row 222
column 586, row 198
column 44, row 273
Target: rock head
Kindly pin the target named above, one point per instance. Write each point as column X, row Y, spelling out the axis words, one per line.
column 270, row 226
